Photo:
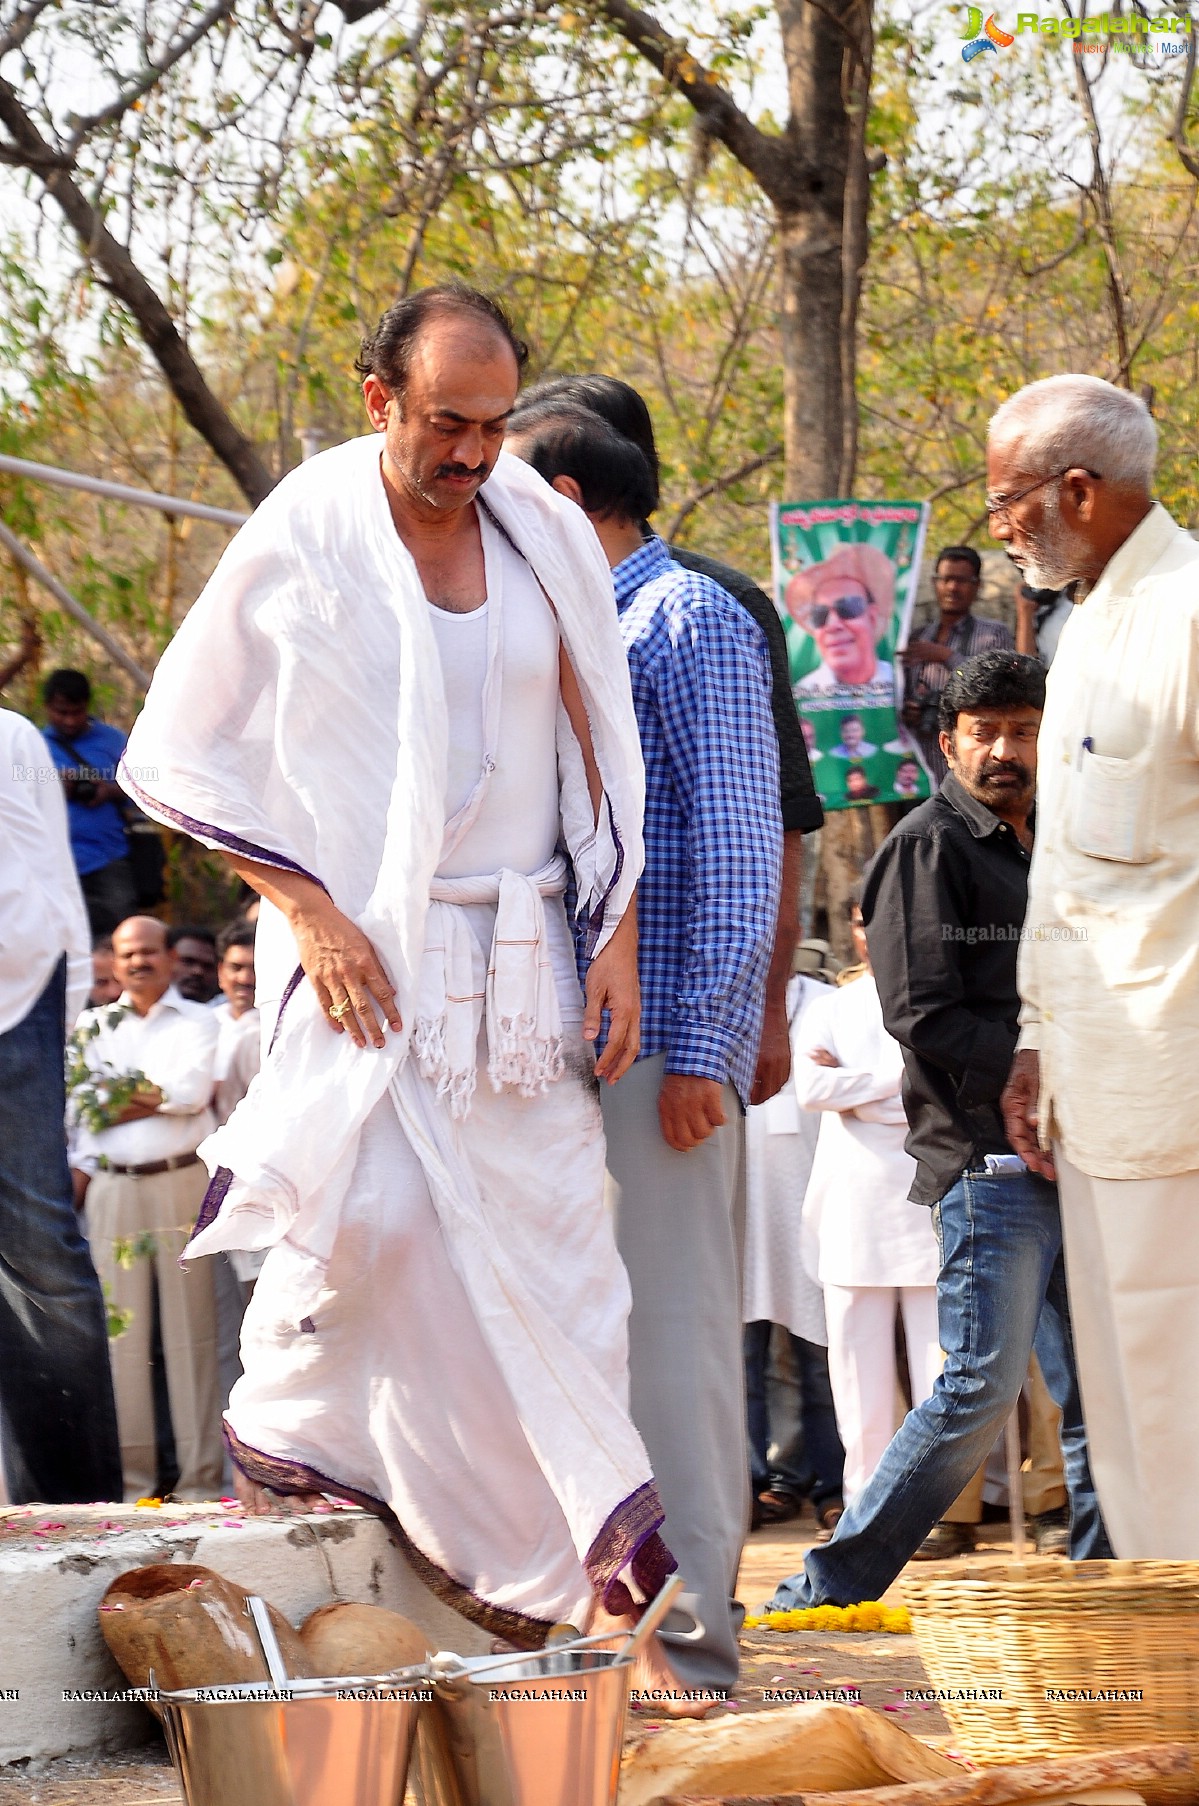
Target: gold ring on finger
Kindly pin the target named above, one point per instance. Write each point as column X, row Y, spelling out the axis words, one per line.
column 338, row 1010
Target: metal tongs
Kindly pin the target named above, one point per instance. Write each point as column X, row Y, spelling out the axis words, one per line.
column 446, row 1666
column 276, row 1667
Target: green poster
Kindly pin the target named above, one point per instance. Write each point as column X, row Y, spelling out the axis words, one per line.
column 845, row 576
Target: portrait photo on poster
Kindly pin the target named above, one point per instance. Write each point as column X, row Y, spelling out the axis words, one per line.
column 845, row 579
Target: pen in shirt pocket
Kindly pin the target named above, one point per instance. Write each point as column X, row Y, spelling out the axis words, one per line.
column 1087, row 746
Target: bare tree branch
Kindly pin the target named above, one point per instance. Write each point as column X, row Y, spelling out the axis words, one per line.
column 1187, row 156
column 1031, row 272
column 122, row 276
column 148, row 77
column 764, row 157
column 719, row 484
column 22, row 25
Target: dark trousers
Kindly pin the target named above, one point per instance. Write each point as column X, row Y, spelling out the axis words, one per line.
column 794, row 1446
column 110, row 895
column 59, row 1421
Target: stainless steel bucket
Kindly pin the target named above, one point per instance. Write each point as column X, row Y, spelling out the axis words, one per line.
column 539, row 1730
column 343, row 1742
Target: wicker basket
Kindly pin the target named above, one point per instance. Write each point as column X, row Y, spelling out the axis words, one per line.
column 1075, row 1657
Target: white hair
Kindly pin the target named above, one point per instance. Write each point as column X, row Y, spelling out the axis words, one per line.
column 1065, row 422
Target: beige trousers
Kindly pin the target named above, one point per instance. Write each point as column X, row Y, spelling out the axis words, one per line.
column 152, row 1217
column 1044, row 1474
column 1132, row 1268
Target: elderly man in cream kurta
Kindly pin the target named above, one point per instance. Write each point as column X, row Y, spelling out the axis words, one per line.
column 1108, row 1069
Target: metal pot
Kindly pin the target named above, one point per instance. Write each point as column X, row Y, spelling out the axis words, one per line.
column 342, row 1742
column 538, row 1730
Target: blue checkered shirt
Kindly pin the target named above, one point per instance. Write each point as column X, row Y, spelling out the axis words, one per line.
column 708, row 900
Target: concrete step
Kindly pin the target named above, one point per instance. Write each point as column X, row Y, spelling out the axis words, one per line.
column 56, row 1563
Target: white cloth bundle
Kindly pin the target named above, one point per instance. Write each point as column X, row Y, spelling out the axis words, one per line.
column 524, row 1022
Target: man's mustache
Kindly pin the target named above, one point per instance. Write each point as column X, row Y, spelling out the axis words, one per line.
column 1012, row 770
column 460, row 470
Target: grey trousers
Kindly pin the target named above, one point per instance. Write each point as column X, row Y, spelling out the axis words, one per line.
column 679, row 1226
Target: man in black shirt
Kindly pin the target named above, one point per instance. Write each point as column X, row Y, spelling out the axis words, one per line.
column 944, row 907
column 622, row 407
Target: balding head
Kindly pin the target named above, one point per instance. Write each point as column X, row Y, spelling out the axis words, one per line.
column 1069, row 466
column 142, row 963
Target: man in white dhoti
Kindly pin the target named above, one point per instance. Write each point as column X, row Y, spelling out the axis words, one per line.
column 402, row 694
column 1107, row 1068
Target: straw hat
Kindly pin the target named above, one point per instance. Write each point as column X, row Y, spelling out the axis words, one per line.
column 866, row 565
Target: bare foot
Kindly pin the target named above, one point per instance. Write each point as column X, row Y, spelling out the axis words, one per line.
column 662, row 1694
column 261, row 1502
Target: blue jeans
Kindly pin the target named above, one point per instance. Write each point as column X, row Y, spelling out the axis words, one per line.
column 59, row 1420
column 1001, row 1291
column 796, row 1417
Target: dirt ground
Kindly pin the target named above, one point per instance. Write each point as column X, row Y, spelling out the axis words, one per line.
column 881, row 1666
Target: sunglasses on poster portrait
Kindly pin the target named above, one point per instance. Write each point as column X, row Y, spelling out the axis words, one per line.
column 847, row 608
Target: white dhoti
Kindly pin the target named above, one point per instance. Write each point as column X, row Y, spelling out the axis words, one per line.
column 439, row 1327
column 407, row 1382
column 1132, row 1268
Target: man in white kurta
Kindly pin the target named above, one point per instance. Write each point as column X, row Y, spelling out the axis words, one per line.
column 794, row 1446
column 146, row 1185
column 423, row 708
column 872, row 1250
column 1109, row 969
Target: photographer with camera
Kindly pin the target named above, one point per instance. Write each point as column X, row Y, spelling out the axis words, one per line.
column 939, row 647
column 86, row 751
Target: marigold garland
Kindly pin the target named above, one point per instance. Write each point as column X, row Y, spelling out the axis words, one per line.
column 868, row 1615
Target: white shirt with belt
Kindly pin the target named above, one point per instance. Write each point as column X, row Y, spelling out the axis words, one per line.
column 1109, row 963
column 174, row 1044
column 42, row 915
column 856, row 1210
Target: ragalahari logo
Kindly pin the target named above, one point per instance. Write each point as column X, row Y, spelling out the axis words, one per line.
column 983, row 37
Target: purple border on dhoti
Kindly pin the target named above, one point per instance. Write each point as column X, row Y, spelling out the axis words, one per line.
column 629, row 1539
column 295, row 1476
column 292, row 986
column 214, row 1197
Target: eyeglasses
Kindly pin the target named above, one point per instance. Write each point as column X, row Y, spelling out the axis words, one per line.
column 848, row 608
column 997, row 505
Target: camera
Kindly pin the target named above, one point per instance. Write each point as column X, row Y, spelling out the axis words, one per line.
column 80, row 789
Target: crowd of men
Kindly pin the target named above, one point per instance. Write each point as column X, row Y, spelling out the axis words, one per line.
column 522, row 792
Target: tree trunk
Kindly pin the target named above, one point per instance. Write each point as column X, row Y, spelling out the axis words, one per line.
column 822, row 238
column 822, row 234
column 810, row 330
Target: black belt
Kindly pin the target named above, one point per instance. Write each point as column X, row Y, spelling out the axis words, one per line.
column 144, row 1168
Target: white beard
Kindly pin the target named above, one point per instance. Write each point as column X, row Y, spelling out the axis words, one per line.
column 1057, row 555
